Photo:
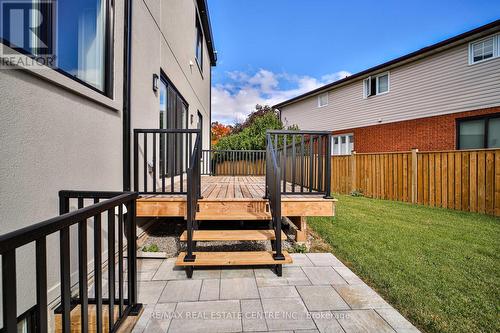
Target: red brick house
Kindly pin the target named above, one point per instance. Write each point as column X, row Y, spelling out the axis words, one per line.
column 443, row 97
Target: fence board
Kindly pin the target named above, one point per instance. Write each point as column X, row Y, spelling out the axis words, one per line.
column 490, row 182
column 437, row 175
column 497, row 184
column 462, row 180
column 473, row 182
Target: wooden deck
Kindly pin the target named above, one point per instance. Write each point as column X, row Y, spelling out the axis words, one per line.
column 234, row 198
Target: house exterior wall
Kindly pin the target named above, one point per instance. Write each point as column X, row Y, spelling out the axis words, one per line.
column 58, row 134
column 437, row 84
column 164, row 38
column 425, row 134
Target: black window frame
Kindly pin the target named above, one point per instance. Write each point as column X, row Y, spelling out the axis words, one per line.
column 171, row 144
column 29, row 317
column 199, row 38
column 108, row 54
column 486, row 119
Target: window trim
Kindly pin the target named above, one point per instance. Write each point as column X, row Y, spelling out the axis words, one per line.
column 199, row 34
column 164, row 77
column 367, row 87
column 319, row 99
column 29, row 317
column 496, row 49
column 109, row 27
column 487, row 117
column 346, row 135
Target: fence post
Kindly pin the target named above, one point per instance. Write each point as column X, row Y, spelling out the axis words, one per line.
column 414, row 175
column 353, row 171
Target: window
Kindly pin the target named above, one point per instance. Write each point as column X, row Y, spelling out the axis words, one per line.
column 173, row 115
column 342, row 144
column 199, row 44
column 82, row 45
column 487, row 48
column 376, row 85
column 323, row 100
column 479, row 133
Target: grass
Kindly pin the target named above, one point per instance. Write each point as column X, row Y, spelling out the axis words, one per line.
column 440, row 268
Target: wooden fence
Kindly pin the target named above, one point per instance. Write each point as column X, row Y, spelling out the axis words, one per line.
column 240, row 168
column 463, row 180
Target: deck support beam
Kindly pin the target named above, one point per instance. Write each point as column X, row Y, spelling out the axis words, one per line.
column 301, row 232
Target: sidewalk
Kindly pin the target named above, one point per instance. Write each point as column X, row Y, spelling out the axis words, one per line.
column 317, row 293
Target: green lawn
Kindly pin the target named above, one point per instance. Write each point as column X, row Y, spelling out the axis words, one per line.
column 440, row 268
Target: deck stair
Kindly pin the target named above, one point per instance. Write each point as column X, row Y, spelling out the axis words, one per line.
column 291, row 178
column 232, row 235
column 233, row 259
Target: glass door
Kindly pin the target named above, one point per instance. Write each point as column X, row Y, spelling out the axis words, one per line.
column 173, row 115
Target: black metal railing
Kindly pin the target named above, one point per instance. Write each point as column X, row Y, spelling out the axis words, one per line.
column 119, row 226
column 305, row 161
column 273, row 194
column 233, row 162
column 162, row 158
column 193, row 195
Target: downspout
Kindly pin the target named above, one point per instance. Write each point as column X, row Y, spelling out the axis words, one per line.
column 127, row 65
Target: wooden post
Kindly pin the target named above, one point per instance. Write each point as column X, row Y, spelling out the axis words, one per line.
column 301, row 224
column 353, row 171
column 414, row 175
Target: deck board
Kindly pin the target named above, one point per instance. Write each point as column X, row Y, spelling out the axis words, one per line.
column 241, row 196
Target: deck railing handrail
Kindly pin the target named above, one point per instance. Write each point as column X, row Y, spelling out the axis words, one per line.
column 193, row 195
column 273, row 194
column 162, row 158
column 233, row 162
column 38, row 233
column 304, row 157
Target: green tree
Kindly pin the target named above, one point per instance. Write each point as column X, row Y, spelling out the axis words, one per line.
column 251, row 134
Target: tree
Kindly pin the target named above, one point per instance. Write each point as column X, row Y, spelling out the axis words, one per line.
column 251, row 134
column 219, row 131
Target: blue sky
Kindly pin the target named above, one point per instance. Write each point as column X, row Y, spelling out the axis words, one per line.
column 272, row 50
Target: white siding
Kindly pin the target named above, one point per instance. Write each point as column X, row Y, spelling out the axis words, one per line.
column 439, row 84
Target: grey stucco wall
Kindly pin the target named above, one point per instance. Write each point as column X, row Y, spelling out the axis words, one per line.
column 57, row 134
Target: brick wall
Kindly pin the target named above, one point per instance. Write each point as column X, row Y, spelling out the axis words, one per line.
column 425, row 134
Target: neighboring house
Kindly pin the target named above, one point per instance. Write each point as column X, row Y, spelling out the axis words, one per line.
column 71, row 127
column 442, row 97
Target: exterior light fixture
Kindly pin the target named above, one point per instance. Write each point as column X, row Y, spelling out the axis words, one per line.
column 156, row 82
column 192, row 119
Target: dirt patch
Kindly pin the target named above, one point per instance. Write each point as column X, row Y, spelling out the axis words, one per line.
column 316, row 244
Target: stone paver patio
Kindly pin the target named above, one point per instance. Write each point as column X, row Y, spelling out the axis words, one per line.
column 317, row 293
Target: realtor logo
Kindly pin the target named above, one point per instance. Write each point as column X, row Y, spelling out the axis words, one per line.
column 27, row 28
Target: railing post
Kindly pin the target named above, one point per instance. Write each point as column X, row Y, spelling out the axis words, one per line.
column 132, row 260
column 9, row 295
column 353, row 171
column 65, row 267
column 199, row 167
column 414, row 175
column 328, row 172
column 277, row 217
column 136, row 161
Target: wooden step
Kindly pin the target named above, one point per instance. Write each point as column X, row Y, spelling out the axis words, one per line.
column 232, row 235
column 247, row 258
column 75, row 315
column 232, row 216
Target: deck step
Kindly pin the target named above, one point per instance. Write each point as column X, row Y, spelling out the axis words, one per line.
column 247, row 258
column 233, row 216
column 232, row 235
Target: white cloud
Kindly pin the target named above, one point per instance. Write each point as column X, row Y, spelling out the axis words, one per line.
column 235, row 99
